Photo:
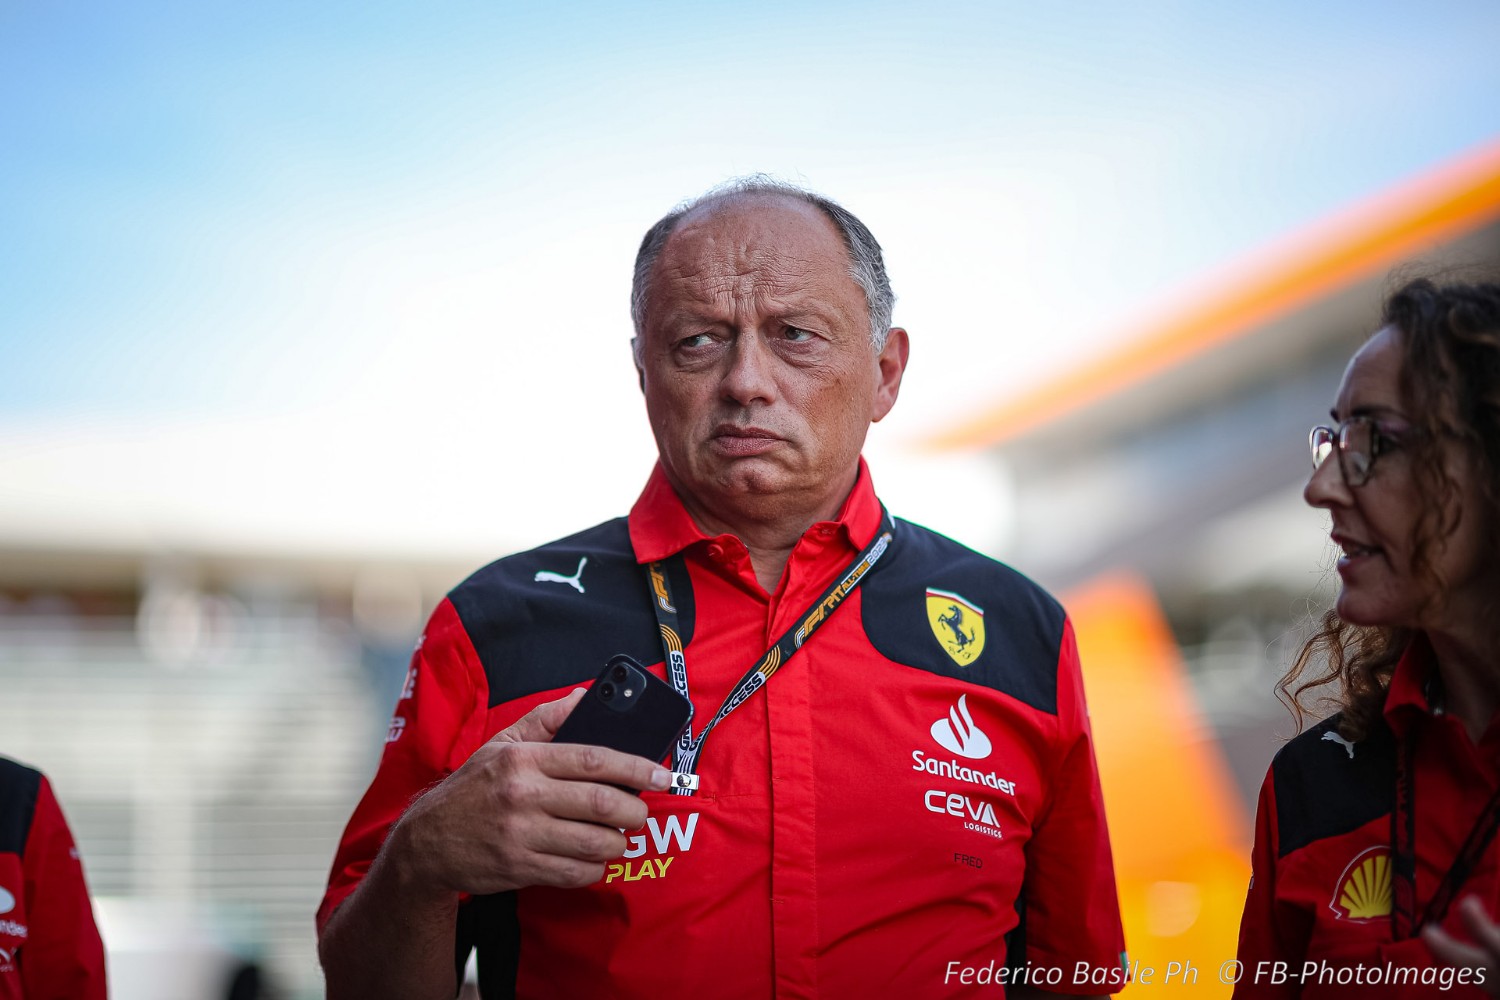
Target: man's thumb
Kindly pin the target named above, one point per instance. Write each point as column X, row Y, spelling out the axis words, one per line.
column 541, row 723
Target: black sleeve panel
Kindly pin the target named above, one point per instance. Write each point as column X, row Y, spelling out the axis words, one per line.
column 1325, row 787
column 19, row 786
column 1015, row 940
column 1023, row 624
column 535, row 635
column 489, row 924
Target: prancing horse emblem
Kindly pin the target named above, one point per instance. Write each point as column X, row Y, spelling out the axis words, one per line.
column 954, row 619
column 547, row 576
column 957, row 623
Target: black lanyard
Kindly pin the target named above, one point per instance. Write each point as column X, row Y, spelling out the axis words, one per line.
column 1404, row 850
column 686, row 754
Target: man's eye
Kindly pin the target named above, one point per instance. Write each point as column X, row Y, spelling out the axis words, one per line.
column 696, row 340
column 797, row 334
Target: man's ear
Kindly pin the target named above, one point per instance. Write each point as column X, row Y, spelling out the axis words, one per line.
column 635, row 354
column 892, row 361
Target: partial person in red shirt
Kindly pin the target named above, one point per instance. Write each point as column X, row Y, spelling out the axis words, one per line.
column 900, row 795
column 1376, row 870
column 49, row 946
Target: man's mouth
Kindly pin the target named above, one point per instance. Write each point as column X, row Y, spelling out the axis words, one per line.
column 734, row 440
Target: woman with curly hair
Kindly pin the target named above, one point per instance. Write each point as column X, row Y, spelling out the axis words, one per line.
column 1376, row 869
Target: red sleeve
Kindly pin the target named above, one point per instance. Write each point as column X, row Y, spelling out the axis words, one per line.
column 63, row 958
column 1072, row 908
column 436, row 725
column 1261, row 939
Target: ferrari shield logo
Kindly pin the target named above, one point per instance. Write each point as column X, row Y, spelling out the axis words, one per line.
column 958, row 624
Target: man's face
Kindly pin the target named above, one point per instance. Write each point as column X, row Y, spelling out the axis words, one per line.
column 756, row 361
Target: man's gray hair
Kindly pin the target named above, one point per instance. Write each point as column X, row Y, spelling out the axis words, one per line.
column 866, row 264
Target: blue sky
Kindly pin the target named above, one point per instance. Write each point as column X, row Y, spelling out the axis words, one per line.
column 403, row 221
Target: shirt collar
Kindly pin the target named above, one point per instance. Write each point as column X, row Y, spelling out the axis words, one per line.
column 660, row 525
column 1406, row 699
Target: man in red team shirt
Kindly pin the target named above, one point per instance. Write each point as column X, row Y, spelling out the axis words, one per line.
column 909, row 807
column 49, row 946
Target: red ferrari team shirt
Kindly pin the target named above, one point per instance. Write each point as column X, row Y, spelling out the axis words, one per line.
column 909, row 807
column 1317, row 919
column 49, row 946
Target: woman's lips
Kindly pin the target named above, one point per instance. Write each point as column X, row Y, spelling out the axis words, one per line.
column 1355, row 553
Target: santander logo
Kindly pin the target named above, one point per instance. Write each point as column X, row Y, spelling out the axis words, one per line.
column 958, row 733
column 7, row 901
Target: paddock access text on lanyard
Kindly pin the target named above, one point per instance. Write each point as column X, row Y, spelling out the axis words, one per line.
column 689, row 748
column 1404, row 850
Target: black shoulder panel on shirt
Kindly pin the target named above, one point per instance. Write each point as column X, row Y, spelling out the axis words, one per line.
column 1022, row 624
column 19, row 786
column 1326, row 787
column 591, row 602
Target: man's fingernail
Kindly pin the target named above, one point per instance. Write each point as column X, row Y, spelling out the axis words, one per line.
column 661, row 778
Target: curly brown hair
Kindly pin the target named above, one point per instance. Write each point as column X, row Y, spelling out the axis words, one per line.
column 1450, row 385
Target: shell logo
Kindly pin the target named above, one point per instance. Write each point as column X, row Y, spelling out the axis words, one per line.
column 1364, row 889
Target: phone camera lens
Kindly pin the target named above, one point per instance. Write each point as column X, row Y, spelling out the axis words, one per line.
column 606, row 690
column 619, row 673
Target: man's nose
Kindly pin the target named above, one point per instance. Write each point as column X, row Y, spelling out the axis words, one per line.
column 1326, row 486
column 750, row 373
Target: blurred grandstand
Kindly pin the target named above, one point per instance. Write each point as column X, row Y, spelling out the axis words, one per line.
column 208, row 721
column 211, row 706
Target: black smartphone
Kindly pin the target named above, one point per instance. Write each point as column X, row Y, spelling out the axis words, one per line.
column 630, row 710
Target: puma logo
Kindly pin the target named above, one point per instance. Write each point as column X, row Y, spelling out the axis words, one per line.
column 1335, row 737
column 547, row 576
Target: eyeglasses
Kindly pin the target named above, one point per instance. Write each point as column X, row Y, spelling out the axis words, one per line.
column 1359, row 442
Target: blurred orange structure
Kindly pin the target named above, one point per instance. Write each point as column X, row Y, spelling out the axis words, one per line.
column 1294, row 274
column 1180, row 834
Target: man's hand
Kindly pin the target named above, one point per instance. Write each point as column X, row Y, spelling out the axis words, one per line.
column 521, row 811
column 1483, row 954
column 524, row 811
